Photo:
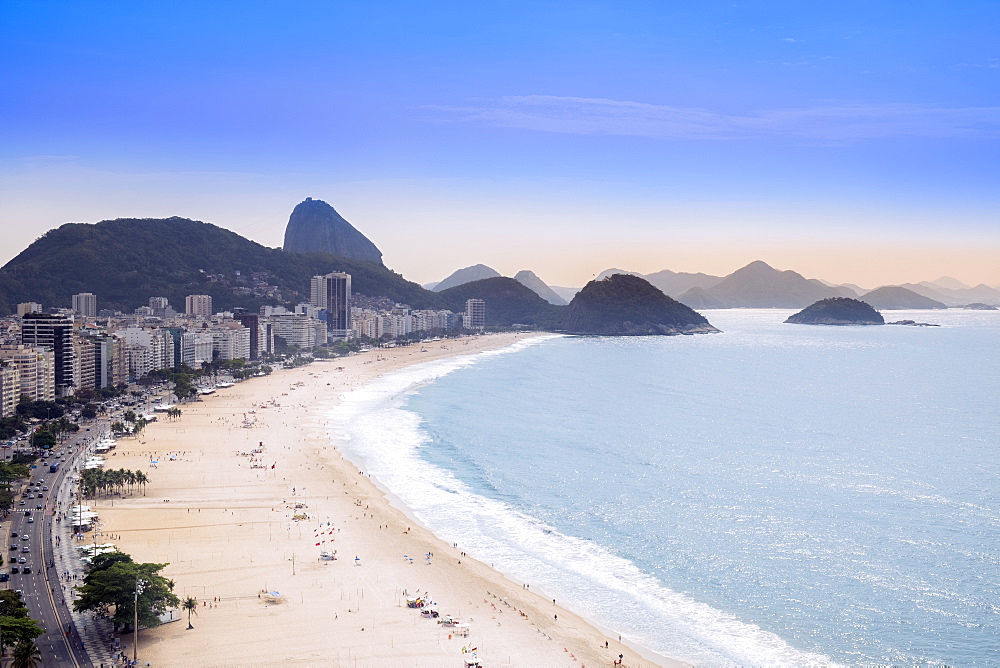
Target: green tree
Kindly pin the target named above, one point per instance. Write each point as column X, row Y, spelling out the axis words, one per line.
column 14, row 630
column 115, row 586
column 26, row 655
column 117, row 428
column 191, row 605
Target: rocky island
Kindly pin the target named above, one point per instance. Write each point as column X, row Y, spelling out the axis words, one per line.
column 625, row 305
column 837, row 311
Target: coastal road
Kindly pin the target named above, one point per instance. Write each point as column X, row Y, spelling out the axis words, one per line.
column 41, row 589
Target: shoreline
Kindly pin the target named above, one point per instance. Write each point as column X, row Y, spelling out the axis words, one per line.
column 210, row 510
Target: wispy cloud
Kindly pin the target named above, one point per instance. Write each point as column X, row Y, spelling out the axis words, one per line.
column 829, row 122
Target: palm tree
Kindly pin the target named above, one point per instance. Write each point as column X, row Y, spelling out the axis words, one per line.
column 26, row 655
column 191, row 606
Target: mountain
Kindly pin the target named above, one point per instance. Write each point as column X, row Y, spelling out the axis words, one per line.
column 611, row 272
column 837, row 311
column 894, row 297
column 956, row 297
column 700, row 299
column 626, row 305
column 126, row 261
column 316, row 227
column 566, row 293
column 758, row 285
column 677, row 283
column 529, row 280
column 476, row 272
column 507, row 302
column 431, row 285
column 946, row 282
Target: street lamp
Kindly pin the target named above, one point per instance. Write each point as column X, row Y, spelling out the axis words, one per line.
column 140, row 584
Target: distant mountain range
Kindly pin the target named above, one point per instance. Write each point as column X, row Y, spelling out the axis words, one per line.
column 478, row 272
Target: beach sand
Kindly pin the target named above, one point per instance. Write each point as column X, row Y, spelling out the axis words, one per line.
column 227, row 531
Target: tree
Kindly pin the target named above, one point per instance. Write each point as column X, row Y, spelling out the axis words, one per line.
column 26, row 655
column 191, row 605
column 117, row 428
column 14, row 630
column 115, row 587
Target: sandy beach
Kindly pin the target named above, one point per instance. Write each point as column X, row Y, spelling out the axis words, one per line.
column 224, row 517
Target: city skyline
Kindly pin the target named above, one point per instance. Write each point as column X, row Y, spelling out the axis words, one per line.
column 853, row 144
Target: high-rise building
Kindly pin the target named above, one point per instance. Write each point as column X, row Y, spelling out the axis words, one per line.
column 475, row 314
column 332, row 293
column 200, row 305
column 37, row 370
column 28, row 307
column 104, row 359
column 85, row 304
column 84, row 370
column 10, row 388
column 54, row 332
column 252, row 322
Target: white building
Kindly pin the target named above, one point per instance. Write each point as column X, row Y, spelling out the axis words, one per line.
column 231, row 343
column 200, row 305
column 475, row 314
column 297, row 330
column 36, row 370
column 85, row 304
column 196, row 347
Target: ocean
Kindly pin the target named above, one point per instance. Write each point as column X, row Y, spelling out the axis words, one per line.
column 772, row 495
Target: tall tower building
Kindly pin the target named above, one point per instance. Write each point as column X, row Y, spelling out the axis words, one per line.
column 85, row 304
column 198, row 305
column 332, row 292
column 475, row 314
column 54, row 332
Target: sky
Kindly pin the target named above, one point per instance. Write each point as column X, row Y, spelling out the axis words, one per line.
column 851, row 141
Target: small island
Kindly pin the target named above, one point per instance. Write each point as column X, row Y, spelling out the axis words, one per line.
column 837, row 311
column 625, row 305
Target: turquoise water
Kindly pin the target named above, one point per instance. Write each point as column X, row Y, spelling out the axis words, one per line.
column 773, row 495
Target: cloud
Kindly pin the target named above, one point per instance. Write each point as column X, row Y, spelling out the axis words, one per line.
column 830, row 122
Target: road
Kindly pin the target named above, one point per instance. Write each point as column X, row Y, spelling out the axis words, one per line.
column 60, row 645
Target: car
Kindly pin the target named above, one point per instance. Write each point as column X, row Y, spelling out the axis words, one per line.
column 4, row 577
column 14, row 570
column 27, row 513
column 31, row 520
column 31, row 496
column 22, row 560
column 13, row 534
column 45, row 488
column 24, row 537
column 26, row 549
column 38, row 506
column 26, row 570
column 41, row 480
column 13, row 547
column 21, row 502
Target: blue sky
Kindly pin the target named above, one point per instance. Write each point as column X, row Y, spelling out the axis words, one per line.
column 853, row 141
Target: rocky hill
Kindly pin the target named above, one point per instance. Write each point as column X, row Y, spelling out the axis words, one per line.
column 837, row 311
column 507, row 303
column 894, row 297
column 127, row 261
column 476, row 272
column 626, row 305
column 316, row 227
column 529, row 280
